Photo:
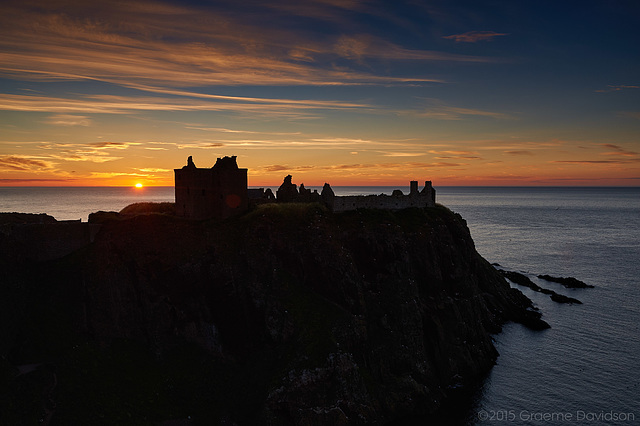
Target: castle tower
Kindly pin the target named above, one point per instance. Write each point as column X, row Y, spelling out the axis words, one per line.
column 219, row 192
column 414, row 187
column 429, row 191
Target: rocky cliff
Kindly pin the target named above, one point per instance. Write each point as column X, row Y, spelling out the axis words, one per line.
column 286, row 315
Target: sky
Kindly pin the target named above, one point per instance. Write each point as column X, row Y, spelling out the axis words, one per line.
column 350, row 92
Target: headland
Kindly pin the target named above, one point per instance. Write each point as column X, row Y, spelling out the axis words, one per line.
column 289, row 313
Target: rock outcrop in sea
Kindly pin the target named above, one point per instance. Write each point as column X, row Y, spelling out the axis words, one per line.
column 289, row 314
column 523, row 280
column 568, row 282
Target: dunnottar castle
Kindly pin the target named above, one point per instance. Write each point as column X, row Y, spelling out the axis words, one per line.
column 221, row 192
column 218, row 192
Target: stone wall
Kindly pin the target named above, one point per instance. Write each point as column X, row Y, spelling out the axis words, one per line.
column 396, row 201
column 386, row 202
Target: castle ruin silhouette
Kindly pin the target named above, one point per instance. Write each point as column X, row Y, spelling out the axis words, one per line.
column 221, row 191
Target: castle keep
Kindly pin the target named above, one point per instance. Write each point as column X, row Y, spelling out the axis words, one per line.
column 221, row 192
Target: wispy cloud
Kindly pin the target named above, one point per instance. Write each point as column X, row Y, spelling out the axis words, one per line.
column 110, row 104
column 360, row 47
column 359, row 166
column 586, row 162
column 519, row 152
column 299, row 141
column 85, row 146
column 89, row 157
column 308, row 103
column 152, row 170
column 440, row 111
column 68, row 120
column 402, row 154
column 618, row 88
column 112, row 145
column 238, row 131
column 458, row 155
column 94, row 152
column 35, row 180
column 517, row 146
column 108, row 175
column 200, row 145
column 617, row 150
column 474, row 36
column 24, row 163
column 272, row 168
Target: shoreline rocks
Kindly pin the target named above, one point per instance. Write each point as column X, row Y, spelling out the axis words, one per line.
column 525, row 281
column 568, row 282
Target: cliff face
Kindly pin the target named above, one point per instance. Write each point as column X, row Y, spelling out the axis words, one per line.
column 286, row 315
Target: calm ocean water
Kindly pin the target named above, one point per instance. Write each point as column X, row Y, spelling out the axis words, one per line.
column 72, row 203
column 585, row 369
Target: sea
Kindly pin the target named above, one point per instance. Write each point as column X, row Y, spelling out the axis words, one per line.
column 585, row 369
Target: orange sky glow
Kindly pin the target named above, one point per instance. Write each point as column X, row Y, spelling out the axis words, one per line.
column 350, row 93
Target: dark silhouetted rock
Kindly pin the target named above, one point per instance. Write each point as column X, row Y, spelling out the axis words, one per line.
column 287, row 315
column 102, row 216
column 525, row 281
column 568, row 282
column 560, row 298
column 21, row 218
column 149, row 208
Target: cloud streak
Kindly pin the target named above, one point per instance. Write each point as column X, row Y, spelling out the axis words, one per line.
column 359, row 166
column 618, row 88
column 360, row 47
column 68, row 120
column 519, row 152
column 618, row 151
column 587, row 162
column 24, row 163
column 110, row 104
column 474, row 36
column 444, row 112
column 95, row 152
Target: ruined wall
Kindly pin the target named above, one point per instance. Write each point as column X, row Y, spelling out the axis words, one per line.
column 260, row 196
column 386, row 202
column 396, row 201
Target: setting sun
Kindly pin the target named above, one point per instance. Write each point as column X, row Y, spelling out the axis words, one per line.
column 138, row 185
